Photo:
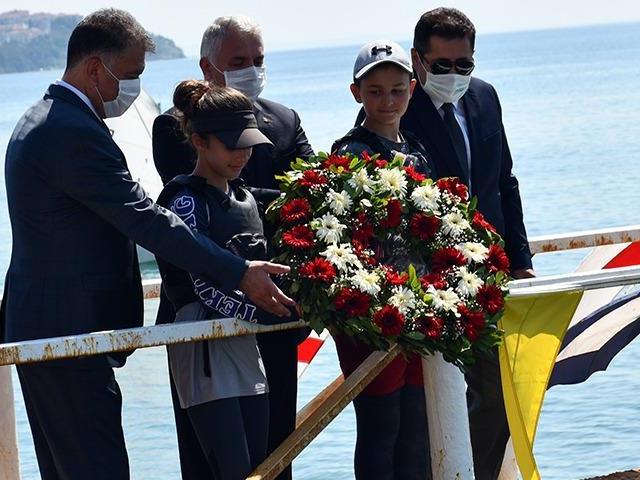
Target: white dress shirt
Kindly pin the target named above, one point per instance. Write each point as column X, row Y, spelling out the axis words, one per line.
column 82, row 96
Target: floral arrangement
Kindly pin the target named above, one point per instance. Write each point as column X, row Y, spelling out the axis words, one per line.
column 382, row 253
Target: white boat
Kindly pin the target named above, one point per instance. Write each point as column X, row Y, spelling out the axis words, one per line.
column 132, row 133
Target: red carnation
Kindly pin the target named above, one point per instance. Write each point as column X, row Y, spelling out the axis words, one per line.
column 300, row 237
column 424, row 226
column 489, row 297
column 295, row 210
column 497, row 260
column 318, row 269
column 362, row 230
column 430, row 326
column 366, row 157
column 311, row 178
column 394, row 214
column 390, row 320
column 337, row 161
column 473, row 322
column 395, row 278
column 414, row 174
column 433, row 280
column 352, row 302
column 381, row 163
column 447, row 258
column 454, row 187
column 481, row 223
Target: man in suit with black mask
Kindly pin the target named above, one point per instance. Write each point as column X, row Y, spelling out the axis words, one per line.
column 76, row 215
column 232, row 54
column 458, row 119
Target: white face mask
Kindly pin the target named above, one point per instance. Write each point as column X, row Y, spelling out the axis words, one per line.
column 250, row 80
column 446, row 88
column 128, row 91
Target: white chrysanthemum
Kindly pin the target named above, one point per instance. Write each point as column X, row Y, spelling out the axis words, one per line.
column 469, row 283
column 339, row 203
column 393, row 180
column 454, row 224
column 341, row 256
column 403, row 298
column 366, row 281
column 362, row 181
column 473, row 251
column 329, row 229
column 366, row 203
column 446, row 300
column 426, row 197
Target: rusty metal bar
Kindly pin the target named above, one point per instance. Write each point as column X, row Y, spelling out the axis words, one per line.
column 327, row 409
column 584, row 239
column 130, row 339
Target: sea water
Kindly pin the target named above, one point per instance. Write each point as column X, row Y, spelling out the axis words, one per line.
column 571, row 107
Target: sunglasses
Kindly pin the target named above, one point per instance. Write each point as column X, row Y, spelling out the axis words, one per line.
column 462, row 66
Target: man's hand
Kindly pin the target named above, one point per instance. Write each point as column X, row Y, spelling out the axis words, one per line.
column 523, row 273
column 261, row 290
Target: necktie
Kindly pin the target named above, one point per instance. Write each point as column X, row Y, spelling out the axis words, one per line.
column 455, row 132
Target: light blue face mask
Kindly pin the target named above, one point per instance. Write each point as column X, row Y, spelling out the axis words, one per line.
column 250, row 80
column 128, row 91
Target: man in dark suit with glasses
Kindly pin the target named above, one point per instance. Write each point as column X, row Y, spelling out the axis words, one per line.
column 458, row 119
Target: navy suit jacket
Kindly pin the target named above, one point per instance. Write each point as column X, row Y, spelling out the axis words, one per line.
column 492, row 179
column 76, row 215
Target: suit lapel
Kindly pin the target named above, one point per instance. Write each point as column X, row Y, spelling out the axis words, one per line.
column 472, row 116
column 432, row 128
column 63, row 93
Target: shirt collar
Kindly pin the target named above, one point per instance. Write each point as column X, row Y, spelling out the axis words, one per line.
column 438, row 104
column 82, row 96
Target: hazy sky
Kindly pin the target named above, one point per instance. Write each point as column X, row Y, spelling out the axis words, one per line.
column 289, row 24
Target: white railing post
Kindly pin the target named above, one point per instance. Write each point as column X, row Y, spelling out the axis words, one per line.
column 449, row 436
column 9, row 461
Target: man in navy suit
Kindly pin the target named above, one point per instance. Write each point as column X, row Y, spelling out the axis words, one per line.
column 458, row 119
column 76, row 215
column 232, row 54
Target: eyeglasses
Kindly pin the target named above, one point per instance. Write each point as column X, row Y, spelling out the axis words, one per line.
column 462, row 66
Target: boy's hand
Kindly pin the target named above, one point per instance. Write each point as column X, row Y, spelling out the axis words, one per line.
column 261, row 290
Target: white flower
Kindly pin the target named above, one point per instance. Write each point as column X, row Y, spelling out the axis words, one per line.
column 362, row 181
column 366, row 203
column 469, row 282
column 341, row 256
column 403, row 298
column 454, row 224
column 366, row 281
column 330, row 229
column 426, row 197
column 339, row 203
column 445, row 299
column 473, row 251
column 393, row 180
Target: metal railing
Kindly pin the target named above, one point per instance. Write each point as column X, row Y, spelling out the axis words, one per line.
column 320, row 411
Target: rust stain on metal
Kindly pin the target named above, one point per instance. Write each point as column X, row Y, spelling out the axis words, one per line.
column 549, row 247
column 9, row 355
column 604, row 240
column 578, row 244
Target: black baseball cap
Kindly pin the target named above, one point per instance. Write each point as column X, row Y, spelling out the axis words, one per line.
column 237, row 129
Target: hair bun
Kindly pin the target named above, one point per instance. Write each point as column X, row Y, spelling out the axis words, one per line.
column 187, row 95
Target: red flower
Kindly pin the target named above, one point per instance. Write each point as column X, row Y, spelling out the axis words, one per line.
column 363, row 254
column 337, row 161
column 300, row 237
column 395, row 278
column 311, row 178
column 295, row 210
column 497, row 260
column 430, row 326
column 490, row 298
column 318, row 269
column 352, row 302
column 366, row 157
column 433, row 280
column 473, row 323
column 394, row 214
column 362, row 230
column 424, row 226
column 447, row 258
column 454, row 187
column 381, row 163
column 481, row 223
column 414, row 174
column 390, row 320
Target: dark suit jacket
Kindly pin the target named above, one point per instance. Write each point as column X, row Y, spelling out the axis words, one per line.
column 75, row 215
column 492, row 180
